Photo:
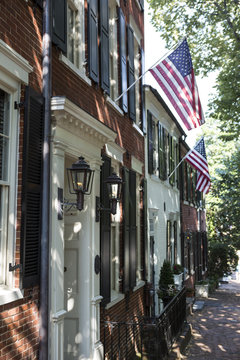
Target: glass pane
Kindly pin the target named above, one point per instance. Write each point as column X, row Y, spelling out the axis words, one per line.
column 4, row 134
column 70, row 34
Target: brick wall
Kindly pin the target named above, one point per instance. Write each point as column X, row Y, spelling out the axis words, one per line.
column 21, row 29
column 19, row 328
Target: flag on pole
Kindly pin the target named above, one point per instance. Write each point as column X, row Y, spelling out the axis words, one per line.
column 198, row 159
column 175, row 76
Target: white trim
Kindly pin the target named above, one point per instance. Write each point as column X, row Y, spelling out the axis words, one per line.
column 13, row 63
column 74, row 119
column 9, row 295
column 137, row 165
column 139, row 285
column 115, row 152
column 136, row 127
column 119, row 298
column 58, row 316
column 114, row 105
column 76, row 70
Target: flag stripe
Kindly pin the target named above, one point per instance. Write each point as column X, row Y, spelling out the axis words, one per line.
column 179, row 88
column 175, row 76
column 197, row 158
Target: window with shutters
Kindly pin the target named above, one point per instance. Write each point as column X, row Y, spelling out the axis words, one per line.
column 8, row 176
column 73, row 47
column 139, row 268
column 113, row 49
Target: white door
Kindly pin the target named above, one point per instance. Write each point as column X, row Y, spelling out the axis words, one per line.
column 72, row 336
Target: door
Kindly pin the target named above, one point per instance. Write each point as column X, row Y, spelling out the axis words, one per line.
column 72, row 334
column 152, row 274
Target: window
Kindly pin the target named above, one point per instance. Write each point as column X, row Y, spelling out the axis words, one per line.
column 69, row 33
column 169, row 241
column 162, row 151
column 113, row 50
column 138, row 233
column 4, row 179
column 115, row 221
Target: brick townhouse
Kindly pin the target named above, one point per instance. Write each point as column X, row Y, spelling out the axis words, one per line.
column 63, row 65
column 193, row 224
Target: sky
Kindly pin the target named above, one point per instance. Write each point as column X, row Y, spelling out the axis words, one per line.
column 154, row 50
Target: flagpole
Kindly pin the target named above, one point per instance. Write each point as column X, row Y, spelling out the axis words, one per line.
column 161, row 59
column 184, row 158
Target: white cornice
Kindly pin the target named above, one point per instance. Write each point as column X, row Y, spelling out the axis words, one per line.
column 115, row 151
column 14, row 63
column 72, row 118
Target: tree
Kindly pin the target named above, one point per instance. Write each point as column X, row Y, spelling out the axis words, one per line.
column 222, row 260
column 223, row 205
column 212, row 30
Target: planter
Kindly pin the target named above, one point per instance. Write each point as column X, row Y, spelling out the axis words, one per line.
column 178, row 280
column 201, row 291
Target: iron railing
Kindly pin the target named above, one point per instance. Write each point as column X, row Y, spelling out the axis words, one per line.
column 147, row 338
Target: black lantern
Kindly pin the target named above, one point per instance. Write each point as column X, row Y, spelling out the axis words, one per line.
column 114, row 185
column 80, row 179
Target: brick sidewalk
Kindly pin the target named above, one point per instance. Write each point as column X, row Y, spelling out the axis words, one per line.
column 216, row 328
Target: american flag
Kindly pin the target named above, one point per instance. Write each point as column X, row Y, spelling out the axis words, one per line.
column 198, row 159
column 178, row 87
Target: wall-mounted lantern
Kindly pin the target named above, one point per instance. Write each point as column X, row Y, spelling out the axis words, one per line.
column 80, row 179
column 114, row 186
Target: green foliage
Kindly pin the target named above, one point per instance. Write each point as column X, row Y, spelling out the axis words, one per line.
column 166, row 276
column 223, row 201
column 212, row 30
column 222, row 259
column 177, row 269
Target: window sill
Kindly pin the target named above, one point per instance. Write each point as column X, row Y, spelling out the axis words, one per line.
column 114, row 105
column 139, row 285
column 72, row 67
column 135, row 126
column 9, row 295
column 115, row 300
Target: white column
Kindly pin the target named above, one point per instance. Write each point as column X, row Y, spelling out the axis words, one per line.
column 57, row 310
column 96, row 345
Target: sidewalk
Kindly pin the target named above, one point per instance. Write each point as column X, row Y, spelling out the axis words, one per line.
column 216, row 328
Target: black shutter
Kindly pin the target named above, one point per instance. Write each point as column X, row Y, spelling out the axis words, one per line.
column 143, row 122
column 150, row 142
column 104, row 38
column 59, row 18
column 132, row 228
column 105, row 234
column 141, row 3
column 182, row 181
column 123, row 60
column 145, row 227
column 32, row 188
column 126, row 230
column 131, row 77
column 160, row 151
column 93, row 40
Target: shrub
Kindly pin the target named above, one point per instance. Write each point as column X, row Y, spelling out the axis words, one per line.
column 222, row 260
column 177, row 269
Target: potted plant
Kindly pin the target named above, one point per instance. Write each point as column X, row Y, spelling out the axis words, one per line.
column 166, row 283
column 202, row 289
column 178, row 275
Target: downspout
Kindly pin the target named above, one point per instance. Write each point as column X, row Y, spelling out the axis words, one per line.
column 44, row 270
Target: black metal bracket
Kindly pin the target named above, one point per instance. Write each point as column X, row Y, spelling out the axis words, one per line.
column 19, row 105
column 14, row 267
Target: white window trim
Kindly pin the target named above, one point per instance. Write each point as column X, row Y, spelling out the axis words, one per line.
column 14, row 71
